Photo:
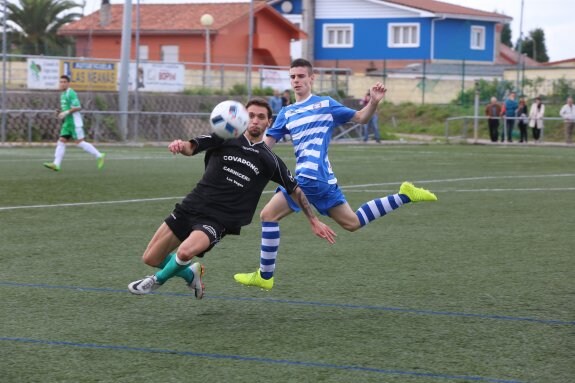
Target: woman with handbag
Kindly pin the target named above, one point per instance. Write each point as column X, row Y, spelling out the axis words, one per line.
column 523, row 119
column 536, row 114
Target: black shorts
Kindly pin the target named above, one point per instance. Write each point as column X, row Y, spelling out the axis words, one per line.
column 183, row 223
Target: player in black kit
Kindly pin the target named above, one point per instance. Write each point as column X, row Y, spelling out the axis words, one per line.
column 224, row 200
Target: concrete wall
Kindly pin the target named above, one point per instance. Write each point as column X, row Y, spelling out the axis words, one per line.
column 542, row 78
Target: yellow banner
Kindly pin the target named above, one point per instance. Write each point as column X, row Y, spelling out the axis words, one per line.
column 90, row 75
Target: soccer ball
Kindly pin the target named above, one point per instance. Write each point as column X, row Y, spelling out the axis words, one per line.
column 229, row 119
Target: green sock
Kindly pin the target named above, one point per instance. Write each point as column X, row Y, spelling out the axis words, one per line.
column 185, row 273
column 171, row 268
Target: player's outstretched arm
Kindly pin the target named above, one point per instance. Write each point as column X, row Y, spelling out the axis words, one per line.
column 319, row 228
column 182, row 147
column 377, row 92
column 270, row 141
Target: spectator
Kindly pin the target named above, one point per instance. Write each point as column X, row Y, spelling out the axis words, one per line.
column 493, row 110
column 568, row 114
column 286, row 98
column 523, row 119
column 536, row 114
column 373, row 122
column 276, row 103
column 509, row 112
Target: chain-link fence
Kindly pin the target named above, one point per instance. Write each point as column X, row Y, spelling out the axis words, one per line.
column 34, row 126
column 43, row 126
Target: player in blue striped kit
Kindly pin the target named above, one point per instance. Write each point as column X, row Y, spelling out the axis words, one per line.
column 310, row 122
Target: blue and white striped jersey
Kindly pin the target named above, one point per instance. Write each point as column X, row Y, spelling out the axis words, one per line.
column 310, row 124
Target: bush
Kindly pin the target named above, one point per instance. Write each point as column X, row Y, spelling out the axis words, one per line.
column 486, row 91
column 238, row 90
column 562, row 89
column 199, row 92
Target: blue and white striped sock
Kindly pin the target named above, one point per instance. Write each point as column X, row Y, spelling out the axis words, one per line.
column 379, row 207
column 269, row 249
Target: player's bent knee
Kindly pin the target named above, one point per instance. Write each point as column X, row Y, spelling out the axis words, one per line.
column 351, row 227
column 347, row 223
column 186, row 254
column 269, row 216
column 185, row 257
column 149, row 260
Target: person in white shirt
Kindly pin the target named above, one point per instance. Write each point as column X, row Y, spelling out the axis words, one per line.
column 568, row 114
column 536, row 114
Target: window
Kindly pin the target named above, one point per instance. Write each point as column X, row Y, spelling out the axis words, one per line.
column 477, row 37
column 338, row 35
column 143, row 52
column 403, row 35
column 169, row 53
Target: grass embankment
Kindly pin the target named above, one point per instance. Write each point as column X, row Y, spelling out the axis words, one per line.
column 409, row 118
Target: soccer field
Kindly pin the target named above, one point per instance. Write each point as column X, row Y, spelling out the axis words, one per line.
column 477, row 287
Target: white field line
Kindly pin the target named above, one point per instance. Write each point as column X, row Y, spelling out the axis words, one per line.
column 463, row 179
column 89, row 203
column 348, row 188
column 85, row 157
column 468, row 190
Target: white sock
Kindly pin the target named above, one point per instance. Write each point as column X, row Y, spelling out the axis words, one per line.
column 90, row 149
column 59, row 154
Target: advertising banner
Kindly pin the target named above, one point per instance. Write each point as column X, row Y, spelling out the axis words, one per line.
column 157, row 77
column 90, row 75
column 105, row 76
column 275, row 79
column 43, row 73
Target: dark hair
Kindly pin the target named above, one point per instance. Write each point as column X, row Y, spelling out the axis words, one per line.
column 65, row 77
column 260, row 102
column 302, row 63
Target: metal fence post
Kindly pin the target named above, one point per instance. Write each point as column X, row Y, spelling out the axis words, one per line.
column 96, row 119
column 30, row 116
column 476, row 113
column 463, row 83
column 424, row 70
column 222, row 72
column 159, row 127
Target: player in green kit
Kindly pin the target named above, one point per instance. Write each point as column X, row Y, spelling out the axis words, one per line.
column 72, row 127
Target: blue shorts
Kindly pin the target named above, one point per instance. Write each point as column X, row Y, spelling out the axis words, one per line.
column 321, row 195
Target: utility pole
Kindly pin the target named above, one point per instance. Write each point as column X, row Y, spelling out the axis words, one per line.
column 3, row 127
column 519, row 55
column 308, row 23
column 125, row 67
column 250, row 49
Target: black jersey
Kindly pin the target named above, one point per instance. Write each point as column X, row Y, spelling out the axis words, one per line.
column 236, row 174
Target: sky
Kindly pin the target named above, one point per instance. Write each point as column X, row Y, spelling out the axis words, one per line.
column 555, row 17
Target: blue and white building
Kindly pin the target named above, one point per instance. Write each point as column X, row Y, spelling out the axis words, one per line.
column 358, row 33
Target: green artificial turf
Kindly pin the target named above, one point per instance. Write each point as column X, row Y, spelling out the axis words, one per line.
column 477, row 287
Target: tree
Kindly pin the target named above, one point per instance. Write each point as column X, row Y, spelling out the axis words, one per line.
column 35, row 24
column 506, row 35
column 534, row 46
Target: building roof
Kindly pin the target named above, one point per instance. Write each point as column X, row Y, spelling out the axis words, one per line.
column 510, row 56
column 566, row 62
column 170, row 18
column 439, row 7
